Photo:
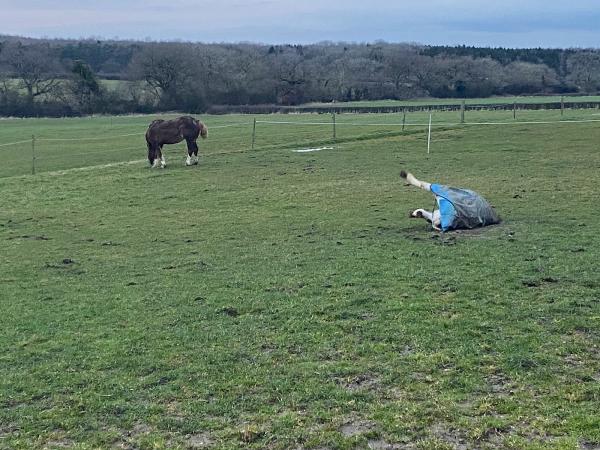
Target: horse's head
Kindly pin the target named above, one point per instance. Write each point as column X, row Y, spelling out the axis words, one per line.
column 203, row 130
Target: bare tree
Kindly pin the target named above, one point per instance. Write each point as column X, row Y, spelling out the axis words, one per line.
column 584, row 70
column 36, row 68
column 523, row 77
column 166, row 68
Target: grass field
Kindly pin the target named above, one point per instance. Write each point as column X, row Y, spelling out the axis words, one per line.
column 536, row 99
column 282, row 300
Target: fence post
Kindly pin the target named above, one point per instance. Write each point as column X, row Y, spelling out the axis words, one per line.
column 403, row 118
column 462, row 112
column 514, row 110
column 333, row 119
column 32, row 154
column 562, row 105
column 253, row 133
column 429, row 135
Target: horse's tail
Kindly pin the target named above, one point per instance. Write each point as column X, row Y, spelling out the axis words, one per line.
column 203, row 129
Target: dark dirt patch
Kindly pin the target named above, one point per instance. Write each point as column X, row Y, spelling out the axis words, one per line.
column 535, row 282
column 499, row 385
column 229, row 311
column 356, row 427
column 531, row 283
column 199, row 440
column 361, row 382
column 60, row 443
column 140, row 428
column 380, row 444
column 250, row 434
column 26, row 236
column 449, row 435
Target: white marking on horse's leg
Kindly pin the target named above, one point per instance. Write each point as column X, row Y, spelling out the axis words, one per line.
column 420, row 184
column 434, row 218
column 155, row 163
column 188, row 160
column 437, row 220
column 163, row 163
column 195, row 160
column 422, row 213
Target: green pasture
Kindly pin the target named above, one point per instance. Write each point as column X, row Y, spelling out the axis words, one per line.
column 505, row 100
column 56, row 144
column 269, row 299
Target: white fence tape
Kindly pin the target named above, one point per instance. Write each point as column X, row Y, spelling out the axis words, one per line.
column 15, row 143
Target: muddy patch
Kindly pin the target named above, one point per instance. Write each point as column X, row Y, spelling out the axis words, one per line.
column 198, row 440
column 499, row 385
column 60, row 443
column 361, row 382
column 356, row 427
column 450, row 436
column 380, row 444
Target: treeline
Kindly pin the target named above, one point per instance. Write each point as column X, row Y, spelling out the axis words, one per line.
column 63, row 77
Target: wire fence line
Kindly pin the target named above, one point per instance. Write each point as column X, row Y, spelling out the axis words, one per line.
column 253, row 135
column 445, row 124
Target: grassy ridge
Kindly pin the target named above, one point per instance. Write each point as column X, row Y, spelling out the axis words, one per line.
column 271, row 299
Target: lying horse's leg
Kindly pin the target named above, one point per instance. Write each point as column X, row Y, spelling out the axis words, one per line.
column 192, row 150
column 412, row 180
column 431, row 217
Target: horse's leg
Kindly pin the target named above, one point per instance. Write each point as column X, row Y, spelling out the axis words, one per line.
column 195, row 152
column 151, row 153
column 192, row 150
column 412, row 180
column 431, row 217
column 163, row 163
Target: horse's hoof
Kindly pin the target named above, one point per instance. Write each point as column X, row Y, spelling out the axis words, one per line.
column 195, row 163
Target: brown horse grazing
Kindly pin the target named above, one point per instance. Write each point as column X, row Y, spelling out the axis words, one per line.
column 161, row 132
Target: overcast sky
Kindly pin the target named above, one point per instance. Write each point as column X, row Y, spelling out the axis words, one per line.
column 508, row 23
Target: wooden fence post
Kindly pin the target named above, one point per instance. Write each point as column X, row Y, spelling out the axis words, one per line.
column 515, row 110
column 462, row 112
column 32, row 154
column 253, row 133
column 333, row 119
column 403, row 118
column 562, row 105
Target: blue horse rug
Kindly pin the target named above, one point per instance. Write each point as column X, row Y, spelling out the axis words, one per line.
column 462, row 208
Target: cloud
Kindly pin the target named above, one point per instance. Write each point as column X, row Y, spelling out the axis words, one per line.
column 471, row 22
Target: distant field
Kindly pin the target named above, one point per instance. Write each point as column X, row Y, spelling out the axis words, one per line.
column 114, row 85
column 468, row 101
column 269, row 299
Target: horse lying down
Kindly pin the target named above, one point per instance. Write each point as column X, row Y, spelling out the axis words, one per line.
column 457, row 208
